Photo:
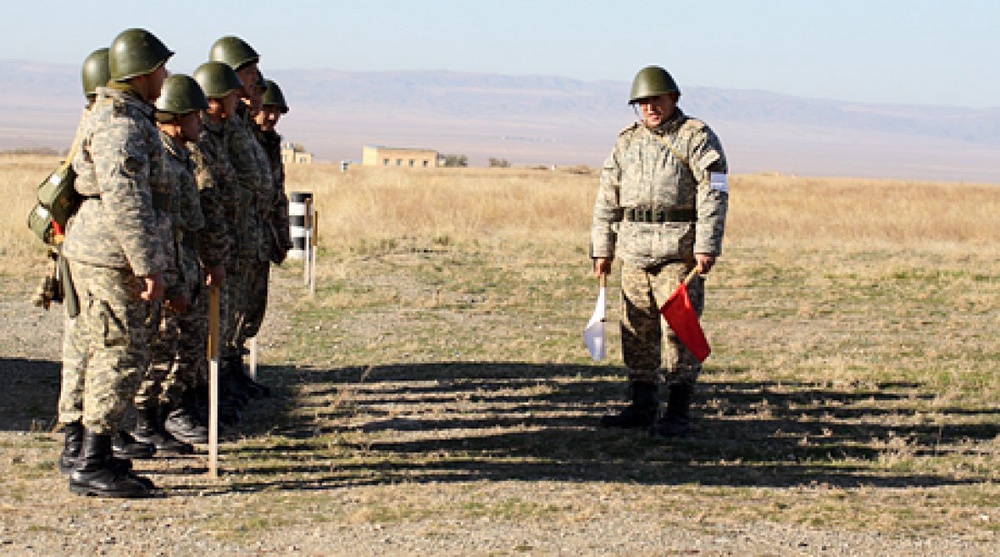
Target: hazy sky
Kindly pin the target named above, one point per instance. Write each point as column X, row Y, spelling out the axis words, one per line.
column 884, row 51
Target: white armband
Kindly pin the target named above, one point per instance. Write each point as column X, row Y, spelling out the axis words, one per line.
column 719, row 181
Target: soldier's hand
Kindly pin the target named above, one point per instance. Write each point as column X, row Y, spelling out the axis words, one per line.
column 602, row 266
column 705, row 262
column 153, row 287
column 215, row 275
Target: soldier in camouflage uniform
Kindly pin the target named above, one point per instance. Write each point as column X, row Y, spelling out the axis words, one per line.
column 218, row 181
column 253, row 172
column 274, row 211
column 663, row 197
column 207, row 250
column 256, row 307
column 94, row 74
column 274, row 107
column 116, row 253
column 179, row 342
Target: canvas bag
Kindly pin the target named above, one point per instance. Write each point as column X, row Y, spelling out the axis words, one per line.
column 57, row 199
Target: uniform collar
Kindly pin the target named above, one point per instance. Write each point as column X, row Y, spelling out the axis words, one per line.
column 125, row 93
column 174, row 147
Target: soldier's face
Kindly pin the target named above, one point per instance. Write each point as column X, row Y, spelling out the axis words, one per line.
column 248, row 75
column 229, row 103
column 152, row 83
column 657, row 110
column 190, row 124
column 256, row 101
column 268, row 117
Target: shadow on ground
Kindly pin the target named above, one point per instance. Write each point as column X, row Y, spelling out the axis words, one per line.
column 529, row 422
column 519, row 421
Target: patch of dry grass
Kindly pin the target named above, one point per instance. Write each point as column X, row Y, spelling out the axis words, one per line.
column 438, row 375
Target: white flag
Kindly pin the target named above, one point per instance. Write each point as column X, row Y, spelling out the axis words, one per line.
column 593, row 335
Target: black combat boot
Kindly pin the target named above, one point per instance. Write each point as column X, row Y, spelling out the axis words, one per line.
column 252, row 388
column 71, row 456
column 231, row 389
column 149, row 429
column 183, row 421
column 641, row 413
column 126, row 447
column 72, row 444
column 95, row 474
column 676, row 421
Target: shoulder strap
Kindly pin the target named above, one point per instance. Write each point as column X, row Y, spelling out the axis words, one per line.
column 691, row 124
column 77, row 141
column 675, row 152
column 73, row 150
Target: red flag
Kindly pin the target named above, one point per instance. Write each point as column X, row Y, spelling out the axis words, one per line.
column 683, row 319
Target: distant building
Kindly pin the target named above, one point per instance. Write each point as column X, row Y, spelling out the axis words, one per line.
column 295, row 154
column 378, row 155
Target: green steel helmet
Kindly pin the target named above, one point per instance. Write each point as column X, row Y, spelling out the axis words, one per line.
column 274, row 97
column 233, row 51
column 652, row 81
column 217, row 79
column 95, row 72
column 181, row 94
column 136, row 52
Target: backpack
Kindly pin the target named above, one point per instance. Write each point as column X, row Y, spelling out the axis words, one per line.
column 57, row 201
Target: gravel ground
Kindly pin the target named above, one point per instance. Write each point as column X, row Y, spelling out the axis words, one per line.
column 195, row 515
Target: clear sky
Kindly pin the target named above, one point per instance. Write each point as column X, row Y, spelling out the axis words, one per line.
column 885, row 51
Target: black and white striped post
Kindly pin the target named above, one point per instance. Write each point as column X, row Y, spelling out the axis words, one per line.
column 298, row 203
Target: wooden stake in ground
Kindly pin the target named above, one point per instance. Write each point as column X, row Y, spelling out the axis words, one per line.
column 213, row 381
column 314, row 241
column 253, row 358
column 306, row 271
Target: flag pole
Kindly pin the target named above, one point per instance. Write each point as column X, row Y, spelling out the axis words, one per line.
column 692, row 274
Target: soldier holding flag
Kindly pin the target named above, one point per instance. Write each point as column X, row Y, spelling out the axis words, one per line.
column 663, row 198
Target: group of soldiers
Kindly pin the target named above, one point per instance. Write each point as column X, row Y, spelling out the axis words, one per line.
column 182, row 188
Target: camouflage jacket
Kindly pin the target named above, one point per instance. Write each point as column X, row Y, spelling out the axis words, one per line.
column 280, row 237
column 678, row 170
column 253, row 172
column 119, row 167
column 217, row 189
column 186, row 216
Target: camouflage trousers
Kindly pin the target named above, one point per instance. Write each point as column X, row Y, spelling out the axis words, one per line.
column 74, row 360
column 253, row 316
column 178, row 355
column 113, row 331
column 644, row 291
column 234, row 291
column 246, row 315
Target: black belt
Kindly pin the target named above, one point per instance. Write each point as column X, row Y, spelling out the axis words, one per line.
column 647, row 214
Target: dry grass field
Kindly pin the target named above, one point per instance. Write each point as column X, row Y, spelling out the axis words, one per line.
column 435, row 395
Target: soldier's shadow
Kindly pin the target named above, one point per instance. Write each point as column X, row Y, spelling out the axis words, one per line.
column 29, row 391
column 523, row 421
column 462, row 421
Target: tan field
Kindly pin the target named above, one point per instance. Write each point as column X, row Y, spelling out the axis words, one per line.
column 435, row 396
column 469, row 205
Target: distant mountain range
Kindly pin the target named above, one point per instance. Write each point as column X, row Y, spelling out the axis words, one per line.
column 547, row 120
